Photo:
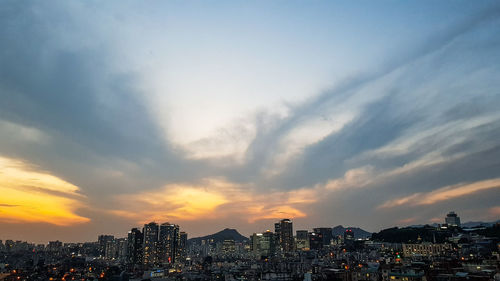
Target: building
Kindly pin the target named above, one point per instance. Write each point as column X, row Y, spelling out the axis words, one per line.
column 183, row 245
column 53, row 246
column 326, row 234
column 228, row 246
column 452, row 220
column 315, row 240
column 255, row 241
column 302, row 240
column 425, row 249
column 277, row 235
column 150, row 244
column 348, row 234
column 267, row 244
column 9, row 245
column 103, row 240
column 111, row 250
column 263, row 245
column 168, row 243
column 134, row 246
column 284, row 235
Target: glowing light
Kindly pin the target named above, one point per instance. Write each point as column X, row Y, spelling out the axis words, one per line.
column 213, row 198
column 183, row 202
column 32, row 196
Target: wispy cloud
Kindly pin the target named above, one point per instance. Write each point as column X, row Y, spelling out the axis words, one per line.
column 9, row 205
column 442, row 194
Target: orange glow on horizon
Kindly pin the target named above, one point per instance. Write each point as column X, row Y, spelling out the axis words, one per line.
column 32, row 196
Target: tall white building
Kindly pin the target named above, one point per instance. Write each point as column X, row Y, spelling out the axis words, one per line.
column 452, row 219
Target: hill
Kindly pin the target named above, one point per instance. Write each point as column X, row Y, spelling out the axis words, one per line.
column 411, row 235
column 226, row 234
column 464, row 225
column 479, row 223
column 358, row 232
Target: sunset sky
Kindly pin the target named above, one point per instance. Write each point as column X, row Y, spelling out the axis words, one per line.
column 215, row 114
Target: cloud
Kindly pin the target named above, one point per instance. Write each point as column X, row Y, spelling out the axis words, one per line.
column 352, row 179
column 210, row 199
column 172, row 202
column 394, row 103
column 76, row 103
column 33, row 196
column 495, row 211
column 442, row 194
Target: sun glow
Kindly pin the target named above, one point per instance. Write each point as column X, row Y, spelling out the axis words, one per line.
column 213, row 198
column 31, row 196
column 182, row 202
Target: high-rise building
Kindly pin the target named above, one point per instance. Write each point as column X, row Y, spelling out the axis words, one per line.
column 326, row 234
column 103, row 240
column 111, row 251
column 452, row 220
column 315, row 240
column 255, row 241
column 122, row 249
column 150, row 244
column 277, row 234
column 168, row 243
column 134, row 246
column 267, row 244
column 183, row 246
column 284, row 234
column 302, row 240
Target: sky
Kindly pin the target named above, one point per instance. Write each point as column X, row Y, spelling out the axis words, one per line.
column 215, row 114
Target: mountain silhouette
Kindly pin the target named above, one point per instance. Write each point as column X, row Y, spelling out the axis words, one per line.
column 358, row 232
column 226, row 234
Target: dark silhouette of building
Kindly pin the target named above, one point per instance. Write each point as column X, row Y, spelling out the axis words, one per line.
column 315, row 240
column 134, row 246
column 326, row 234
column 284, row 235
column 183, row 246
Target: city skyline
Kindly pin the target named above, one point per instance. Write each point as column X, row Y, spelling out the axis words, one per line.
column 283, row 230
column 239, row 114
column 452, row 219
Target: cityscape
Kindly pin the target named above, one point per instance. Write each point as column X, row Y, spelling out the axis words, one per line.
column 249, row 140
column 447, row 251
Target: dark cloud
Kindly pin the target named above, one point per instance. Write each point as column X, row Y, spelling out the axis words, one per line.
column 67, row 86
